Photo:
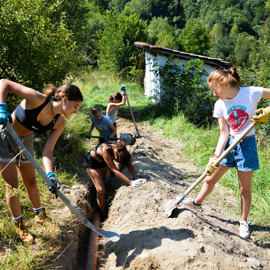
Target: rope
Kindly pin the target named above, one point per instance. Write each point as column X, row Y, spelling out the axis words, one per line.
column 11, row 161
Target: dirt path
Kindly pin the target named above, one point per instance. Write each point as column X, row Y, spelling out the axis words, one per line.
column 203, row 239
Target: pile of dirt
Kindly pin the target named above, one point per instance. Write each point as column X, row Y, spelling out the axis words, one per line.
column 191, row 239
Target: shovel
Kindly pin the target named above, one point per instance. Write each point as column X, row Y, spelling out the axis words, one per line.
column 126, row 137
column 172, row 204
column 114, row 237
column 123, row 87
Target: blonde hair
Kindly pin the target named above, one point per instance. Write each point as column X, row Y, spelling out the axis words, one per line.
column 227, row 76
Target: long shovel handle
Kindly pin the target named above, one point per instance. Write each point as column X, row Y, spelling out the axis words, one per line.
column 100, row 137
column 133, row 119
column 107, row 234
column 223, row 155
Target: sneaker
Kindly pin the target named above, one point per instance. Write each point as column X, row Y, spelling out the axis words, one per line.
column 190, row 202
column 138, row 182
column 244, row 231
column 41, row 216
column 25, row 236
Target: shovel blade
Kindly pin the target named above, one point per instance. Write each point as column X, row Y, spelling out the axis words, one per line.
column 170, row 206
column 127, row 138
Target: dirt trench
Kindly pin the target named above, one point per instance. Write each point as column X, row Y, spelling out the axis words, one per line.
column 202, row 239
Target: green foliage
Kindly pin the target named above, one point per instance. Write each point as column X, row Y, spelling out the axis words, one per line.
column 195, row 37
column 184, row 89
column 76, row 14
column 140, row 7
column 95, row 24
column 118, row 5
column 34, row 50
column 147, row 9
column 160, row 32
column 116, row 50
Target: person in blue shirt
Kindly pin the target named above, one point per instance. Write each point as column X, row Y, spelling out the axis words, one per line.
column 103, row 124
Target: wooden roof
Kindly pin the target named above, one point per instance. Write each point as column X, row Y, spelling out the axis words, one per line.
column 155, row 49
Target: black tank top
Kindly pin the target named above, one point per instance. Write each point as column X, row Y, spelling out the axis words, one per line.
column 98, row 155
column 28, row 118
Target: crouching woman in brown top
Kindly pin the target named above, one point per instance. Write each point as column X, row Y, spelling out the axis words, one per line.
column 102, row 156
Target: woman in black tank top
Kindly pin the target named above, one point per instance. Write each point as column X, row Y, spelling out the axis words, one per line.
column 37, row 113
column 103, row 156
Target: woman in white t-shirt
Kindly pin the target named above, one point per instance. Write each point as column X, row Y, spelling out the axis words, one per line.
column 234, row 109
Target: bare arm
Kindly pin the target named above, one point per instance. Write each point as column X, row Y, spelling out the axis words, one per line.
column 111, row 106
column 108, row 159
column 31, row 95
column 91, row 128
column 266, row 93
column 224, row 135
column 50, row 144
column 131, row 169
column 112, row 128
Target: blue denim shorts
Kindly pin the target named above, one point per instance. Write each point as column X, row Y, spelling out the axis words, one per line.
column 244, row 157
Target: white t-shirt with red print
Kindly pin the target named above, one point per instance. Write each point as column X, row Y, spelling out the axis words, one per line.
column 239, row 110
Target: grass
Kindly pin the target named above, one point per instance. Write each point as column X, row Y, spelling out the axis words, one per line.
column 68, row 157
column 198, row 143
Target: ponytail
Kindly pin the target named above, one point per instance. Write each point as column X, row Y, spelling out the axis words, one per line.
column 110, row 99
column 116, row 95
column 229, row 76
column 70, row 91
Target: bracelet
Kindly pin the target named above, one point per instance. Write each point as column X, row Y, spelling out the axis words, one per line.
column 215, row 155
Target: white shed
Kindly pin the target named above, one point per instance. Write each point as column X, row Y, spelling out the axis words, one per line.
column 155, row 57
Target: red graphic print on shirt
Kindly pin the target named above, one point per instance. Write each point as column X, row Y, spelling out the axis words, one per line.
column 236, row 119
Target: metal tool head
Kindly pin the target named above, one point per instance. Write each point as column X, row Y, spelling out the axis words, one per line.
column 169, row 207
column 127, row 138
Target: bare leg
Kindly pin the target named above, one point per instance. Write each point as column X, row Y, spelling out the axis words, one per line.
column 11, row 179
column 27, row 172
column 244, row 179
column 96, row 177
column 209, row 184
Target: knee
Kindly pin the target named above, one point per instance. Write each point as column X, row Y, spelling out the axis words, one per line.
column 245, row 191
column 12, row 191
column 210, row 181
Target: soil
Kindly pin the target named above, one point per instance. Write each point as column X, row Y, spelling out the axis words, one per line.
column 191, row 239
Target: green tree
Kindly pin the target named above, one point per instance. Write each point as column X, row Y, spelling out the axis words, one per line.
column 140, row 7
column 160, row 32
column 195, row 37
column 33, row 50
column 242, row 49
column 119, row 5
column 76, row 14
column 116, row 50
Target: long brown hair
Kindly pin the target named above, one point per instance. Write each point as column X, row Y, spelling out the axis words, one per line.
column 72, row 92
column 227, row 76
column 122, row 153
column 116, row 95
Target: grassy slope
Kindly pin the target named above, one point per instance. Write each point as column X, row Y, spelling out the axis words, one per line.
column 96, row 87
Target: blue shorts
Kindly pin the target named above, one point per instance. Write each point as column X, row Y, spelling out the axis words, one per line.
column 244, row 157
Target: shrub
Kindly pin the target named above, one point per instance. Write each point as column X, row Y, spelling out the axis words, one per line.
column 35, row 48
column 184, row 89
